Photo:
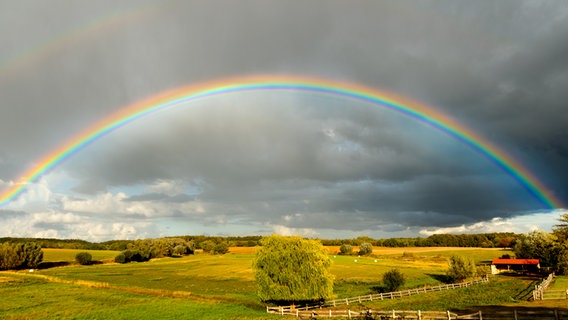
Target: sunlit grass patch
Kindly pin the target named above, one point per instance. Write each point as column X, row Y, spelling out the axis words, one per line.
column 68, row 255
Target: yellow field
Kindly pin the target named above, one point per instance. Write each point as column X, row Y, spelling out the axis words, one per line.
column 401, row 250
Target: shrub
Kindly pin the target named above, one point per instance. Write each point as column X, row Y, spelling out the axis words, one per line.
column 179, row 250
column 292, row 269
column 207, row 245
column 84, row 258
column 221, row 248
column 365, row 249
column 346, row 249
column 120, row 258
column 393, row 280
column 461, row 268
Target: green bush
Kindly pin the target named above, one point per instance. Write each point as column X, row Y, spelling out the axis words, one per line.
column 84, row 258
column 120, row 258
column 207, row 245
column 365, row 249
column 221, row 248
column 461, row 268
column 393, row 280
column 345, row 249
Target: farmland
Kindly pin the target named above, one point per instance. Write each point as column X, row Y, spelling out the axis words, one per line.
column 222, row 286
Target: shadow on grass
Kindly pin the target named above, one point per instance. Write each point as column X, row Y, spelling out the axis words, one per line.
column 440, row 277
column 379, row 289
column 53, row 264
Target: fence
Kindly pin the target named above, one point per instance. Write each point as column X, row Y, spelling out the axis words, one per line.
column 394, row 314
column 541, row 314
column 539, row 289
column 432, row 315
column 375, row 297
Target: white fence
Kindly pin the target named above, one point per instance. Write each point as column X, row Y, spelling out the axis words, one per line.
column 539, row 289
column 373, row 297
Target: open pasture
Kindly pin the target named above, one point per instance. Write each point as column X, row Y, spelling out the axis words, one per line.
column 192, row 285
column 68, row 255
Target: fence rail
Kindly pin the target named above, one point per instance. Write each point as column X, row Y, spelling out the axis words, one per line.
column 539, row 289
column 375, row 297
column 432, row 315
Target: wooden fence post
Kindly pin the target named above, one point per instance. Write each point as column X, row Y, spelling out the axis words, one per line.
column 419, row 315
column 515, row 313
column 393, row 315
column 480, row 316
column 449, row 315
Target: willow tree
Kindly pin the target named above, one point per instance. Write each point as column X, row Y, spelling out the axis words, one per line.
column 292, row 269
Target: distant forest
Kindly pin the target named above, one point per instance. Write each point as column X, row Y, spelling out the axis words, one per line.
column 485, row 240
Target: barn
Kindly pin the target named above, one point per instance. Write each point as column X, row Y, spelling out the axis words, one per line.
column 517, row 265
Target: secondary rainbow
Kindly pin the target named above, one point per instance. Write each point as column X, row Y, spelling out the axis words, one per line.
column 182, row 96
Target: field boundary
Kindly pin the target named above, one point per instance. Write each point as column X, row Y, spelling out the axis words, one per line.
column 539, row 289
column 553, row 314
column 375, row 297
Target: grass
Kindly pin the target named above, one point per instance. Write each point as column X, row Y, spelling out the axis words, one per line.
column 36, row 298
column 212, row 287
column 559, row 283
column 68, row 255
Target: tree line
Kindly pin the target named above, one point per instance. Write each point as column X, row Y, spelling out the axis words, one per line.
column 207, row 243
column 483, row 240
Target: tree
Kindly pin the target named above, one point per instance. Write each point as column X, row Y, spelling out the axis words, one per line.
column 561, row 230
column 393, row 280
column 33, row 255
column 346, row 249
column 221, row 248
column 538, row 245
column 461, row 268
column 292, row 269
column 207, row 245
column 20, row 255
column 365, row 249
column 84, row 258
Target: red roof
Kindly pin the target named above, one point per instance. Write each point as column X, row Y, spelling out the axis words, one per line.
column 515, row 261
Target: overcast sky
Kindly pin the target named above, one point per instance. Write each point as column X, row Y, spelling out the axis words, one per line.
column 272, row 161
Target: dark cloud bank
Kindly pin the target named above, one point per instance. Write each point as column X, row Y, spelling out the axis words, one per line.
column 294, row 159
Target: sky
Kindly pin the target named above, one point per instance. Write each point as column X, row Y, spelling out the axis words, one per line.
column 287, row 162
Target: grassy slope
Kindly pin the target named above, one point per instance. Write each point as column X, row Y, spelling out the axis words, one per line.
column 224, row 285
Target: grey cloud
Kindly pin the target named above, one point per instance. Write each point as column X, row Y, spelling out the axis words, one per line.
column 499, row 67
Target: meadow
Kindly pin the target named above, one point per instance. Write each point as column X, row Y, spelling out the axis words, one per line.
column 207, row 286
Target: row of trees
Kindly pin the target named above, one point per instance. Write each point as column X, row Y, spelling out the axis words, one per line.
column 144, row 250
column 487, row 240
column 20, row 255
column 550, row 248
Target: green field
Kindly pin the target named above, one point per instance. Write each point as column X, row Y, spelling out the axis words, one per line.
column 222, row 287
column 68, row 255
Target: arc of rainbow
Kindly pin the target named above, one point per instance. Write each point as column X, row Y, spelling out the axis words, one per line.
column 190, row 93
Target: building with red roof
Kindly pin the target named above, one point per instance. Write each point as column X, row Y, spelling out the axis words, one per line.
column 517, row 265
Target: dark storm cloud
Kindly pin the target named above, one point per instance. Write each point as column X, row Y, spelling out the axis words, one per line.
column 499, row 67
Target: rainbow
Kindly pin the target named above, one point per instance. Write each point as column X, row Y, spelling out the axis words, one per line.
column 184, row 95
